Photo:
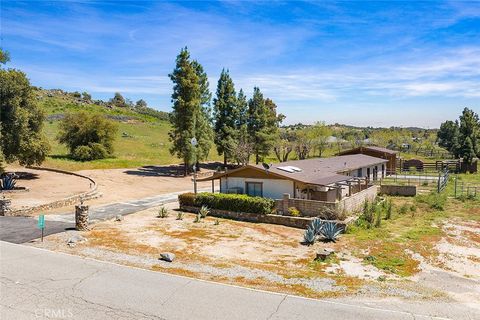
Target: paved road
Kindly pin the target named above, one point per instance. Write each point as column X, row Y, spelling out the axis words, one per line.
column 23, row 229
column 40, row 284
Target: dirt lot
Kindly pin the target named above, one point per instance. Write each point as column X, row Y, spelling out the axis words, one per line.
column 115, row 185
column 271, row 257
column 44, row 187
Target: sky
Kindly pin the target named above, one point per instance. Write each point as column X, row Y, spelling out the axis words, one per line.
column 378, row 63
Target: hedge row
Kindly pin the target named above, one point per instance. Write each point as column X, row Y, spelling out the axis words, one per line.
column 228, row 202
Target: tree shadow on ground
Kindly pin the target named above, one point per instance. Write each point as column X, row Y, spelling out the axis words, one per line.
column 169, row 170
column 21, row 175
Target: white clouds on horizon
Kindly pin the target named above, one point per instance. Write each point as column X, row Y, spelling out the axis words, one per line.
column 290, row 62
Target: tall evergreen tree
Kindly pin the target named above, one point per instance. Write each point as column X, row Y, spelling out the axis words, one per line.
column 470, row 128
column 244, row 147
column 225, row 115
column 190, row 115
column 467, row 150
column 262, row 124
column 203, row 129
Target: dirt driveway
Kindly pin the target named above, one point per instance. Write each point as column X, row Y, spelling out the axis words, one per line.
column 119, row 185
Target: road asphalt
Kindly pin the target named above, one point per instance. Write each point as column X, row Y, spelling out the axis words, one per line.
column 24, row 229
column 41, row 284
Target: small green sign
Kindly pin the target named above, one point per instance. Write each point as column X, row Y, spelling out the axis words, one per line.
column 41, row 221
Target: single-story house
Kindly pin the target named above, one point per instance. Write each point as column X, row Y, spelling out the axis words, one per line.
column 321, row 179
column 377, row 152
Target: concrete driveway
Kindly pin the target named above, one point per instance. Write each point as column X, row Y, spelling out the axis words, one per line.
column 40, row 284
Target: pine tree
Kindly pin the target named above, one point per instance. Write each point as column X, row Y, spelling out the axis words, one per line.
column 225, row 115
column 470, row 127
column 243, row 146
column 190, row 116
column 262, row 124
column 203, row 129
column 468, row 151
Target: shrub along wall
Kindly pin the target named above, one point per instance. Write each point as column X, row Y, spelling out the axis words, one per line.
column 229, row 202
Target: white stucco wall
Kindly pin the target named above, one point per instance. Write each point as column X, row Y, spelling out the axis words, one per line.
column 272, row 188
column 354, row 173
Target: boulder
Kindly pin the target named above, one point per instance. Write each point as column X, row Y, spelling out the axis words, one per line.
column 324, row 253
column 167, row 256
column 73, row 240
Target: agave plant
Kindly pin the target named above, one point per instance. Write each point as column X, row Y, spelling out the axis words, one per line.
column 8, row 182
column 163, row 212
column 180, row 215
column 309, row 236
column 331, row 230
column 198, row 218
column 204, row 211
column 317, row 225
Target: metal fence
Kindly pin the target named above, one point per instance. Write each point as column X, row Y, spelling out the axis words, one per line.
column 465, row 189
column 442, row 180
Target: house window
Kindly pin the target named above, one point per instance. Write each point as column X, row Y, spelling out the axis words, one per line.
column 254, row 189
column 359, row 172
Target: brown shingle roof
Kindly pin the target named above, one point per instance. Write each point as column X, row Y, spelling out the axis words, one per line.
column 374, row 148
column 318, row 171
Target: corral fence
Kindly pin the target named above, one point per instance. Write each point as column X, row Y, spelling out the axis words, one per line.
column 465, row 189
column 425, row 180
column 442, row 180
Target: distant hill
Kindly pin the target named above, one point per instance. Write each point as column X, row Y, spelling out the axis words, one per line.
column 142, row 137
column 57, row 102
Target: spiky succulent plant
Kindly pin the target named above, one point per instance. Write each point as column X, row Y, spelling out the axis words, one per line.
column 204, row 211
column 163, row 212
column 331, row 230
column 317, row 225
column 309, row 236
column 8, row 182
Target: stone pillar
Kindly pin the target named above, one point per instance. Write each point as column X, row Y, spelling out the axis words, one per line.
column 5, row 206
column 285, row 202
column 81, row 217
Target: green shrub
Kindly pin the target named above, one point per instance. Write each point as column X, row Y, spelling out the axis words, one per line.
column 187, row 199
column 378, row 217
column 228, row 202
column 98, row 151
column 293, row 211
column 93, row 151
column 82, row 153
column 88, row 136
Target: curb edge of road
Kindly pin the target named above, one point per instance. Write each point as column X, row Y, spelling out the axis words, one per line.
column 233, row 285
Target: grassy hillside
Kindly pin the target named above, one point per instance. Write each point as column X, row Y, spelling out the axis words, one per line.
column 141, row 139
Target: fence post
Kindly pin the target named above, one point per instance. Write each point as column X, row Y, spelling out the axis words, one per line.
column 455, row 188
column 438, row 183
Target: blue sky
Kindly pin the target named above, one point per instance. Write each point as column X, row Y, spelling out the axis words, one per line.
column 377, row 63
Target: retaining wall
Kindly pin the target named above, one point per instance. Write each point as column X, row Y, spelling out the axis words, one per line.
column 288, row 221
column 355, row 202
column 396, row 190
column 90, row 194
